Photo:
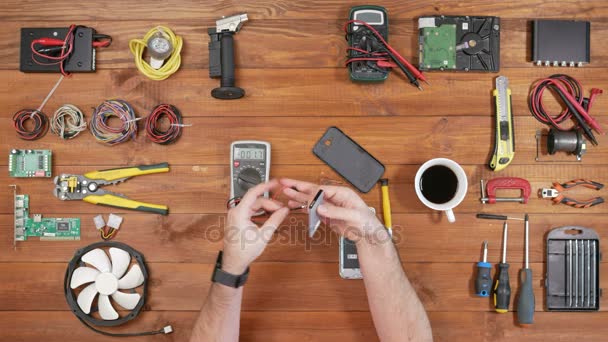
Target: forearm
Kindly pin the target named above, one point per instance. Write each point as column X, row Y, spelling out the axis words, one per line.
column 396, row 309
column 219, row 319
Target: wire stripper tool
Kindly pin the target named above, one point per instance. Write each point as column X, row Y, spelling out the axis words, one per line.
column 87, row 187
column 504, row 148
column 555, row 193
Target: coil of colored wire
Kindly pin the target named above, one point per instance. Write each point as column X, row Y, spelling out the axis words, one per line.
column 41, row 124
column 171, row 134
column 170, row 65
column 114, row 135
column 68, row 121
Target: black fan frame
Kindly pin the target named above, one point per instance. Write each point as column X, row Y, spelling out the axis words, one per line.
column 76, row 262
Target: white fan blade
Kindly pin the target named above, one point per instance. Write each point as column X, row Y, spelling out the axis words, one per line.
column 98, row 259
column 83, row 275
column 106, row 311
column 120, row 261
column 126, row 300
column 85, row 298
column 132, row 279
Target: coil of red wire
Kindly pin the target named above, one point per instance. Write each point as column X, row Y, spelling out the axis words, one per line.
column 41, row 124
column 153, row 124
column 570, row 93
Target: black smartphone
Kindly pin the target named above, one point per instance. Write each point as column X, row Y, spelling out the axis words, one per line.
column 348, row 159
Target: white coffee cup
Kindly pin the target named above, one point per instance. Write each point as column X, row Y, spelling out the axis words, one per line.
column 459, row 194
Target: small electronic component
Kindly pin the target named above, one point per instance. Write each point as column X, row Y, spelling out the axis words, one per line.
column 42, row 227
column 561, row 43
column 459, row 43
column 29, row 163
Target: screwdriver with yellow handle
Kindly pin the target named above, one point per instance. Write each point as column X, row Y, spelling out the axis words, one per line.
column 502, row 288
column 386, row 206
column 88, row 187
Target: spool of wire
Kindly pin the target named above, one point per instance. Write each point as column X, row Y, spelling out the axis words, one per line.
column 41, row 124
column 164, row 49
column 153, row 123
column 67, row 122
column 107, row 134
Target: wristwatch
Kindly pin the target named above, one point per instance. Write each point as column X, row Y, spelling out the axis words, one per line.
column 225, row 278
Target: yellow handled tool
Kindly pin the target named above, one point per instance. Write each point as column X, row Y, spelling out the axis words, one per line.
column 127, row 172
column 88, row 187
column 504, row 147
column 121, row 202
column 386, row 206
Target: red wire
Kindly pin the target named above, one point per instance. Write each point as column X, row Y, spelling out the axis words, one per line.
column 413, row 69
column 68, row 43
column 568, row 91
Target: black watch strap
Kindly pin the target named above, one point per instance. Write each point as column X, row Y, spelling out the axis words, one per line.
column 225, row 278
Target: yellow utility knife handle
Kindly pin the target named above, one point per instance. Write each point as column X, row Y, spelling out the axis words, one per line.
column 504, row 148
column 126, row 172
column 119, row 202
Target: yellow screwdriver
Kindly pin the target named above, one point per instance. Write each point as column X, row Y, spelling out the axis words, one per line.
column 386, row 206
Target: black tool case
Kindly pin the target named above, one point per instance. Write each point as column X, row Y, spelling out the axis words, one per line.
column 573, row 264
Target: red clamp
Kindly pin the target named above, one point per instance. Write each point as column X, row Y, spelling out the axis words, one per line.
column 506, row 183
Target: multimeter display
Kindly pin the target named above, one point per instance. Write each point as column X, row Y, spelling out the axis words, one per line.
column 249, row 153
column 372, row 17
column 249, row 165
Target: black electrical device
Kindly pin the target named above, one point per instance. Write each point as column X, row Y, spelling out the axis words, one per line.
column 82, row 58
column 221, row 56
column 363, row 47
column 561, row 42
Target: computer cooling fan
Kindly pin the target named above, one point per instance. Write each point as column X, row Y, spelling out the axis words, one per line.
column 115, row 279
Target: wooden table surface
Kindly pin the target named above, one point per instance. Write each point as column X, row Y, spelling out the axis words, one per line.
column 290, row 59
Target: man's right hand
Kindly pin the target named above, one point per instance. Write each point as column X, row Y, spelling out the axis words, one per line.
column 349, row 215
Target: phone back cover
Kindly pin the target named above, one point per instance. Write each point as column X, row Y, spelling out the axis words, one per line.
column 349, row 159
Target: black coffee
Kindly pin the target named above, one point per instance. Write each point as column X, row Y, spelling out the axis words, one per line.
column 438, row 184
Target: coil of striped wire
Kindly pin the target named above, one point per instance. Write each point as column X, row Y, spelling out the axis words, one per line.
column 154, row 130
column 68, row 121
column 111, row 134
column 40, row 124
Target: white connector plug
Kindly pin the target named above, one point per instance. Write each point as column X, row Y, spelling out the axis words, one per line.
column 99, row 222
column 114, row 221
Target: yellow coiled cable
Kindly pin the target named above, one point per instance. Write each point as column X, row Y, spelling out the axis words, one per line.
column 171, row 64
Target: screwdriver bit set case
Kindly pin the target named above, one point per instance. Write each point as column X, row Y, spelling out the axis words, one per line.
column 573, row 264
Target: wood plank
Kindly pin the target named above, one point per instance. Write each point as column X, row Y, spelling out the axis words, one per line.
column 392, row 140
column 284, row 9
column 205, row 189
column 288, row 92
column 271, row 287
column 268, row 44
column 197, row 238
column 326, row 326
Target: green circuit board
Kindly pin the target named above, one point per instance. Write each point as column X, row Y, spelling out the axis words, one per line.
column 438, row 47
column 44, row 228
column 29, row 163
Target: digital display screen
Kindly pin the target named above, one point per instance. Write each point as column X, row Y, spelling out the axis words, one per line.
column 350, row 258
column 249, row 153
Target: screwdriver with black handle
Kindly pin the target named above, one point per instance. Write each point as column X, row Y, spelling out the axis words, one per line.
column 502, row 288
column 525, row 300
column 483, row 282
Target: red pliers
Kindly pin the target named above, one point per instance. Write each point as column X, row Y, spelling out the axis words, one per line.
column 555, row 193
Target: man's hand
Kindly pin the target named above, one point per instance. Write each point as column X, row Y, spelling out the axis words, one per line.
column 349, row 215
column 244, row 240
